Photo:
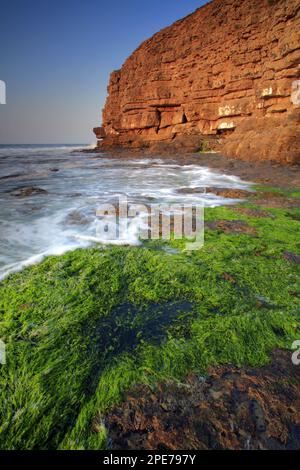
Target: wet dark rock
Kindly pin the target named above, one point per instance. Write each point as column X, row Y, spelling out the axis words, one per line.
column 292, row 257
column 234, row 408
column 276, row 201
column 228, row 277
column 76, row 218
column 8, row 177
column 262, row 302
column 294, row 216
column 28, row 209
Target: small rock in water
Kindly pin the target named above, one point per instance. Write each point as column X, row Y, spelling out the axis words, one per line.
column 231, row 193
column 27, row 192
column 74, row 195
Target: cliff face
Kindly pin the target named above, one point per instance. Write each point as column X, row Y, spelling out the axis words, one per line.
column 227, row 76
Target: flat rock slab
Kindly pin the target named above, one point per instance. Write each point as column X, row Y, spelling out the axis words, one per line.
column 231, row 226
column 224, row 192
column 27, row 192
column 76, row 218
column 230, row 192
column 231, row 408
column 257, row 213
column 178, row 98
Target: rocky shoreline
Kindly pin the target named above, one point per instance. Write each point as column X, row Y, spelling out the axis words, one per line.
column 224, row 78
column 157, row 348
column 264, row 172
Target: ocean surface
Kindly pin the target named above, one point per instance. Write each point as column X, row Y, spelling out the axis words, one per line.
column 65, row 187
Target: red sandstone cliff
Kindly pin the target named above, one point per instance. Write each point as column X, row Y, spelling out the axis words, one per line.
column 227, row 76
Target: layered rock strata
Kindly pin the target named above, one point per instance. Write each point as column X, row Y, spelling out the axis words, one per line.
column 226, row 77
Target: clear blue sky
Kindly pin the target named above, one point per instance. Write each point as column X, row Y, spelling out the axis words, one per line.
column 56, row 57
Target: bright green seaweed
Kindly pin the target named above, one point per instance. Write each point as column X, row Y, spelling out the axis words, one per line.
column 82, row 328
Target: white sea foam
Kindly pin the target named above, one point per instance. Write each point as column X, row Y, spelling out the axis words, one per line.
column 64, row 218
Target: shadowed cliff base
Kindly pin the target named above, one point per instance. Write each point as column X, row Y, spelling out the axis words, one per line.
column 224, row 78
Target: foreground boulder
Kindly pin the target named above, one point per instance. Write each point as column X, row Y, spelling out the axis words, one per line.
column 224, row 78
column 231, row 408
